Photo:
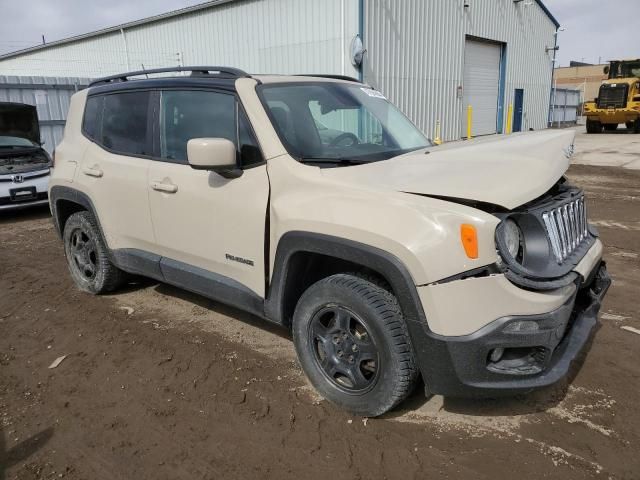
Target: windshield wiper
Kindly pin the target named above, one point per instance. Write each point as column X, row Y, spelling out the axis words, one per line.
column 338, row 160
column 17, row 147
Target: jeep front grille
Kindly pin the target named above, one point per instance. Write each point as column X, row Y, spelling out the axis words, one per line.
column 613, row 95
column 567, row 227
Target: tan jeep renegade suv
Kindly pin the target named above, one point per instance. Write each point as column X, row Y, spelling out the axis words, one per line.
column 312, row 202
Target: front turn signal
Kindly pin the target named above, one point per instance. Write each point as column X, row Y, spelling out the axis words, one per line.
column 469, row 239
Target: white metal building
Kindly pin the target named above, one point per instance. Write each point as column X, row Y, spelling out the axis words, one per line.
column 433, row 58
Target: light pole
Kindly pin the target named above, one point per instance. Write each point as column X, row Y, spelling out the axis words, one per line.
column 554, row 81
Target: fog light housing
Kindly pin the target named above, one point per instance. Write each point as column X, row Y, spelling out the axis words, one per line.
column 522, row 326
column 496, row 354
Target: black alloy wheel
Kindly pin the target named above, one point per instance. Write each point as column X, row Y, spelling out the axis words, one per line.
column 82, row 247
column 353, row 344
column 88, row 256
column 344, row 349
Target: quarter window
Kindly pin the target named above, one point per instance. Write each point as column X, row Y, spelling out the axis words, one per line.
column 91, row 120
column 125, row 123
column 250, row 153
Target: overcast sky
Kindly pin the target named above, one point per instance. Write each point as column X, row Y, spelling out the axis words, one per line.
column 606, row 29
column 594, row 28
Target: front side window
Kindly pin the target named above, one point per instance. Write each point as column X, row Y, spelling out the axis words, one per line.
column 194, row 114
column 330, row 122
column 125, row 123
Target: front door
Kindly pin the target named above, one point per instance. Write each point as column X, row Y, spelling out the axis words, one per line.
column 201, row 219
column 518, row 106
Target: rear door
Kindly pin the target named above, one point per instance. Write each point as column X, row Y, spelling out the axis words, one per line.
column 114, row 166
column 201, row 219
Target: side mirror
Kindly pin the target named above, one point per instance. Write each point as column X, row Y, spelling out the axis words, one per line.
column 216, row 154
column 606, row 70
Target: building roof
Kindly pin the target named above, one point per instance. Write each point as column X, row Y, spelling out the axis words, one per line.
column 164, row 16
column 549, row 14
column 117, row 28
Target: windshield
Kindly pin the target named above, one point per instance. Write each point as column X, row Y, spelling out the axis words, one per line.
column 6, row 141
column 332, row 122
column 624, row 69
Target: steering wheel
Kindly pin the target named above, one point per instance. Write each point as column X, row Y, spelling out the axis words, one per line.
column 342, row 137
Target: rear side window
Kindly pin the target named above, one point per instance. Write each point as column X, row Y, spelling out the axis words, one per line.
column 91, row 120
column 125, row 123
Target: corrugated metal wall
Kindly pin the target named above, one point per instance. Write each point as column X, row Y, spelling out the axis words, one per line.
column 51, row 96
column 260, row 36
column 415, row 56
column 565, row 106
column 415, row 48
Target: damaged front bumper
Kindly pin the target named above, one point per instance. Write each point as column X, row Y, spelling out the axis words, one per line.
column 517, row 353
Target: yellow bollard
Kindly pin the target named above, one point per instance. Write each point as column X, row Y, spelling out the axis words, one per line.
column 437, row 140
column 469, row 121
column 509, row 117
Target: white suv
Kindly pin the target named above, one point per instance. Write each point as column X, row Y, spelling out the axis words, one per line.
column 24, row 164
column 312, row 202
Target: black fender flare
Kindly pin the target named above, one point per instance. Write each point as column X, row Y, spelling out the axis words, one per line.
column 373, row 258
column 425, row 345
column 59, row 192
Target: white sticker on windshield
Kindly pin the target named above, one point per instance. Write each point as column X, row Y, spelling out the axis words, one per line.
column 373, row 93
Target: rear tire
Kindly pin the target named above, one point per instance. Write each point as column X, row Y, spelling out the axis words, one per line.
column 637, row 126
column 630, row 126
column 611, row 127
column 353, row 345
column 87, row 255
column 593, row 126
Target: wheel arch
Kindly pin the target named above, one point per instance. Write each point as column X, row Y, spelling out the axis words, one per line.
column 430, row 353
column 66, row 201
column 297, row 252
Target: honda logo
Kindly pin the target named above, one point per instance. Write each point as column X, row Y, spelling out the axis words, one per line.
column 17, row 178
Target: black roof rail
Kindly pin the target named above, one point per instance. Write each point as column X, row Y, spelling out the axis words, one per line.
column 123, row 77
column 335, row 77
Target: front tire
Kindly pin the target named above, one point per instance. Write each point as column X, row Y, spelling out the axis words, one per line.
column 353, row 345
column 593, row 126
column 87, row 256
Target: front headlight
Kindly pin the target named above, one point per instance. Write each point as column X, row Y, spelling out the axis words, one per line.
column 512, row 237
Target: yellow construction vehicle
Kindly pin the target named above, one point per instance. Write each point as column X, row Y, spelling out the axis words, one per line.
column 618, row 100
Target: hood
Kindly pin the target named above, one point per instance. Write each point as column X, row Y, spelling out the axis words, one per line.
column 508, row 171
column 19, row 120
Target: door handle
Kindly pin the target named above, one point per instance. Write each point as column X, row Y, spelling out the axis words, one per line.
column 164, row 187
column 92, row 171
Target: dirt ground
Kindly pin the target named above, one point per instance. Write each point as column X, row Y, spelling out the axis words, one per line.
column 162, row 384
